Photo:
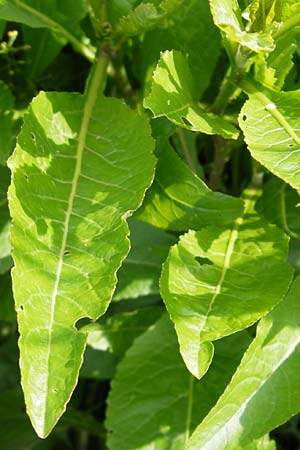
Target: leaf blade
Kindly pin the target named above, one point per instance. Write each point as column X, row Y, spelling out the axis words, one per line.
column 68, row 199
column 263, row 369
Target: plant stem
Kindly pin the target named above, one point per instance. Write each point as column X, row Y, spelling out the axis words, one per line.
column 185, row 150
column 227, row 90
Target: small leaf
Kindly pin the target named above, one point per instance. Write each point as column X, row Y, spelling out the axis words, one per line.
column 270, row 122
column 174, row 95
column 227, row 16
column 246, row 277
column 179, row 200
column 154, row 402
column 265, row 390
column 147, row 15
column 81, row 166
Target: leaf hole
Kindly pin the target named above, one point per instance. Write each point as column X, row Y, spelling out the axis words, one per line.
column 21, row 308
column 32, row 135
column 186, row 121
column 25, row 176
column 244, row 118
column 203, row 261
column 291, row 145
column 54, row 390
column 67, row 252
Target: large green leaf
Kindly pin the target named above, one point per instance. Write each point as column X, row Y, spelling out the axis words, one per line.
column 280, row 205
column 220, row 280
column 141, row 269
column 174, row 94
column 61, row 17
column 6, row 113
column 81, row 166
column 265, row 390
column 227, row 16
column 270, row 122
column 179, row 200
column 154, row 402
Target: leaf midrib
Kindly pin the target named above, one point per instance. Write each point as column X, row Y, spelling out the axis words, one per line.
column 227, row 257
column 91, row 98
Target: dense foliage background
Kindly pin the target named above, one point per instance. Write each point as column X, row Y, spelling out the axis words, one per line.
column 135, row 390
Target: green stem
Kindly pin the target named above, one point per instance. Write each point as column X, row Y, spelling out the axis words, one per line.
column 227, row 90
column 50, row 23
column 185, row 150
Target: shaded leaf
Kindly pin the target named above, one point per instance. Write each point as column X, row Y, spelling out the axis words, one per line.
column 61, row 17
column 179, row 200
column 270, row 124
column 192, row 31
column 111, row 336
column 154, row 402
column 44, row 47
column 141, row 269
column 5, row 248
column 265, row 390
column 279, row 205
column 214, row 282
column 174, row 95
column 16, row 431
column 81, row 166
column 6, row 123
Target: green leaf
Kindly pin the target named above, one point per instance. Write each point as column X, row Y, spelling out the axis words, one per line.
column 265, row 390
column 271, row 70
column 220, row 280
column 141, row 269
column 227, row 16
column 6, row 115
column 279, row 204
column 17, row 433
column 2, row 28
column 192, row 31
column 154, row 402
column 111, row 336
column 7, row 311
column 270, row 122
column 61, row 17
column 264, row 443
column 81, row 166
column 44, row 47
column 9, row 367
column 179, row 200
column 147, row 15
column 174, row 95
column 5, row 248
